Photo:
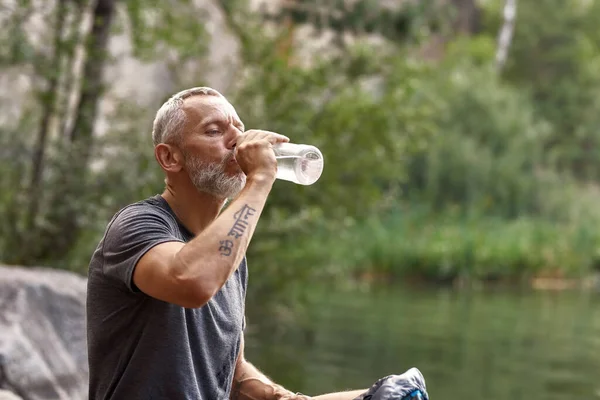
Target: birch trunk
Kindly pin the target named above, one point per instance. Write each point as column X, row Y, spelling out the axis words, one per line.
column 49, row 97
column 506, row 33
column 64, row 210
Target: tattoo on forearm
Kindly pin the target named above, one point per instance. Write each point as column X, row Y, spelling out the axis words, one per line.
column 225, row 248
column 241, row 221
column 237, row 230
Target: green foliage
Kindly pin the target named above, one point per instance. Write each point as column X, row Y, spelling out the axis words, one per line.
column 485, row 170
column 437, row 169
column 401, row 24
column 488, row 150
column 62, row 183
column 165, row 27
column 366, row 118
column 327, row 105
column 416, row 242
column 555, row 54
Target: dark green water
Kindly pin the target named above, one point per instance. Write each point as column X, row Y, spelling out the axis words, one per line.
column 497, row 345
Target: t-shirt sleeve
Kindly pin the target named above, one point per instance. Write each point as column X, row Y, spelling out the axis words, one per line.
column 133, row 232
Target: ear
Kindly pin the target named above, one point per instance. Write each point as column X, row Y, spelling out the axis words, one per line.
column 169, row 157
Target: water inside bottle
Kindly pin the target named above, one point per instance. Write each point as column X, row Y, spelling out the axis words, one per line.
column 305, row 169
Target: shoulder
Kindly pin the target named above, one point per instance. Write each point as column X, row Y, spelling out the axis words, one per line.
column 132, row 232
column 150, row 206
column 144, row 211
column 139, row 220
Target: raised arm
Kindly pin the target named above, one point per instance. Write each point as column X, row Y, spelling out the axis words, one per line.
column 190, row 274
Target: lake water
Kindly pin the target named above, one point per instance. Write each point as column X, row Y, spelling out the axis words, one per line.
column 494, row 345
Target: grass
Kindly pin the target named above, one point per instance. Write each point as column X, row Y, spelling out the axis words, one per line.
column 445, row 247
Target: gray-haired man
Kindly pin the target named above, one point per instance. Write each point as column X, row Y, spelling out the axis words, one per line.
column 167, row 282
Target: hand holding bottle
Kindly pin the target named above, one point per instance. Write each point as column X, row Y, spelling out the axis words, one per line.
column 253, row 153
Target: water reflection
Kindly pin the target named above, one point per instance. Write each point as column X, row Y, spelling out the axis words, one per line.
column 496, row 345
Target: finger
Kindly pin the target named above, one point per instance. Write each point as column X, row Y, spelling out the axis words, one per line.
column 262, row 135
column 250, row 136
column 275, row 138
column 272, row 137
column 255, row 143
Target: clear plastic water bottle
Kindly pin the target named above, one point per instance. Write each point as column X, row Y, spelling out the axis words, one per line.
column 298, row 163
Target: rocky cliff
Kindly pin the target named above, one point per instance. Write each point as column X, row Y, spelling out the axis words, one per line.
column 43, row 351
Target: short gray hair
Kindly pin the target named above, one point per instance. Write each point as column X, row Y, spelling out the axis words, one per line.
column 170, row 118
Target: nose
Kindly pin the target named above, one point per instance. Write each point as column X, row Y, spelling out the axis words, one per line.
column 233, row 137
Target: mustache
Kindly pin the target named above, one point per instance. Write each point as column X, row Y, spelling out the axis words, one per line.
column 228, row 157
column 198, row 160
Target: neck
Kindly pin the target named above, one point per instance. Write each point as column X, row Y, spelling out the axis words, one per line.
column 194, row 209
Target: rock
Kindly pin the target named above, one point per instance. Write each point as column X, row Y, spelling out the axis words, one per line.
column 6, row 395
column 43, row 353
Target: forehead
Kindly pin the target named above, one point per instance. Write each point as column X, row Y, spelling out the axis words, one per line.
column 208, row 107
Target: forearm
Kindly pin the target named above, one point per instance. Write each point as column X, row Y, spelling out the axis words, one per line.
column 250, row 384
column 210, row 258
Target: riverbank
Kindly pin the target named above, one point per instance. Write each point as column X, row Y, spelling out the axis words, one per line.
column 448, row 247
column 452, row 249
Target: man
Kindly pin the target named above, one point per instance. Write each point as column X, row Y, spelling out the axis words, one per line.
column 167, row 282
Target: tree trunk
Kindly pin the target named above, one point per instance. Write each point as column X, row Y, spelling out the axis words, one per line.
column 48, row 100
column 468, row 20
column 92, row 85
column 506, row 33
column 68, row 197
column 69, row 85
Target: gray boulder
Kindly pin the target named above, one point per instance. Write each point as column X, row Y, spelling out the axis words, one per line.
column 6, row 395
column 43, row 353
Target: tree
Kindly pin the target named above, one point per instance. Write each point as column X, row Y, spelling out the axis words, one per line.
column 50, row 196
column 554, row 54
column 62, row 225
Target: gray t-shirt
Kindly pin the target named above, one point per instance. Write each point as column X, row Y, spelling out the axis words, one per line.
column 143, row 348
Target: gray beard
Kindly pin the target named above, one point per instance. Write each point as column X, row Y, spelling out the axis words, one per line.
column 211, row 178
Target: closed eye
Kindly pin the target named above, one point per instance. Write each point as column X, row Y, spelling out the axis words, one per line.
column 213, row 132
